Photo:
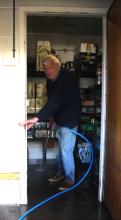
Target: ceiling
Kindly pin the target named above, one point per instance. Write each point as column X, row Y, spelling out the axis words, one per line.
column 67, row 25
column 59, row 3
column 38, row 23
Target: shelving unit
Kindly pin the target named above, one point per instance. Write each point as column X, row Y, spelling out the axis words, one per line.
column 37, row 98
column 90, row 120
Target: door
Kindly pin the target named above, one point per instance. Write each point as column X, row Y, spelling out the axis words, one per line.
column 112, row 186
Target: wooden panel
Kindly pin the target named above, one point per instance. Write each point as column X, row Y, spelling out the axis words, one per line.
column 112, row 189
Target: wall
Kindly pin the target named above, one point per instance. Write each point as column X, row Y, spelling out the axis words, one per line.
column 61, row 41
column 112, row 184
column 77, row 3
column 12, row 111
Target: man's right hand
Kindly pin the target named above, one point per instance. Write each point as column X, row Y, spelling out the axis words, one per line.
column 29, row 123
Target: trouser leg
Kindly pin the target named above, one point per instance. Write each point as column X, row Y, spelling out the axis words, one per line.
column 67, row 141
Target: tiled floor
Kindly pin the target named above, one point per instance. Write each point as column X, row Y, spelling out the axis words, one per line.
column 79, row 204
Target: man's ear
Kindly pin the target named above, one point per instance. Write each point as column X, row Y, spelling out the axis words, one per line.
column 58, row 66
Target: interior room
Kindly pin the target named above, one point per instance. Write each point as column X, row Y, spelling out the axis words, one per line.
column 77, row 42
column 86, row 37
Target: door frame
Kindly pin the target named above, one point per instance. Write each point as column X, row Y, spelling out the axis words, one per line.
column 68, row 11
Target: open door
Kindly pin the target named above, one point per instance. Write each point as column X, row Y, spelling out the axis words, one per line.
column 112, row 187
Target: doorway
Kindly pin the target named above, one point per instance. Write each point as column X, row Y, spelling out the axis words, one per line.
column 23, row 33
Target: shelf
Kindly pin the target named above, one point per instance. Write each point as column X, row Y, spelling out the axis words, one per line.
column 38, row 74
column 86, row 75
column 40, row 139
column 91, row 114
column 35, row 74
column 98, row 86
column 31, row 114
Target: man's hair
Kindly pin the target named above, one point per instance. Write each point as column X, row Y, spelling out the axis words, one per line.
column 51, row 59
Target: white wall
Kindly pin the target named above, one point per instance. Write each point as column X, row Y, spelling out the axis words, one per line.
column 12, row 111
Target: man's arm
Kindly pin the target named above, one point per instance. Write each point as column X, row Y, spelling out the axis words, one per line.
column 29, row 123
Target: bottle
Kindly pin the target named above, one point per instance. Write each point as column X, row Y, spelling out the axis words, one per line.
column 99, row 76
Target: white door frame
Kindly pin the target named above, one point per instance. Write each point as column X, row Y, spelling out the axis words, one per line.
column 68, row 11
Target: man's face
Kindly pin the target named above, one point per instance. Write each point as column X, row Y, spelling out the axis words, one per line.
column 51, row 70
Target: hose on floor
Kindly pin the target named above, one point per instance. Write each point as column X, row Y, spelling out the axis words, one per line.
column 67, row 190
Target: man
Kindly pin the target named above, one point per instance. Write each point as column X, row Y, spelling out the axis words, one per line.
column 64, row 106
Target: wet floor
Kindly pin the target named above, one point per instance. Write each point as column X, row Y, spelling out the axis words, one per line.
column 79, row 204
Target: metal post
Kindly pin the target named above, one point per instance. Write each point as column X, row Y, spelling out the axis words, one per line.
column 14, row 29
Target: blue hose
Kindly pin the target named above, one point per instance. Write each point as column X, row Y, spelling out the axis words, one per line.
column 69, row 189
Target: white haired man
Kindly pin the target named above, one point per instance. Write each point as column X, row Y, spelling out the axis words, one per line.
column 64, row 106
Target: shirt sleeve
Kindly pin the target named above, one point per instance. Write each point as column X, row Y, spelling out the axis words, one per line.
column 60, row 95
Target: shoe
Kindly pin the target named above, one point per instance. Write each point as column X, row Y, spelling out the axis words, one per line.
column 56, row 178
column 66, row 184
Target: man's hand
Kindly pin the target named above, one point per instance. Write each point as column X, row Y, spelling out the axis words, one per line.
column 29, row 123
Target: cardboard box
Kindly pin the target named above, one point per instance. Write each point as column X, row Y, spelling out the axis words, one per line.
column 41, row 89
column 87, row 48
column 30, row 89
column 40, row 103
column 31, row 106
column 43, row 49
